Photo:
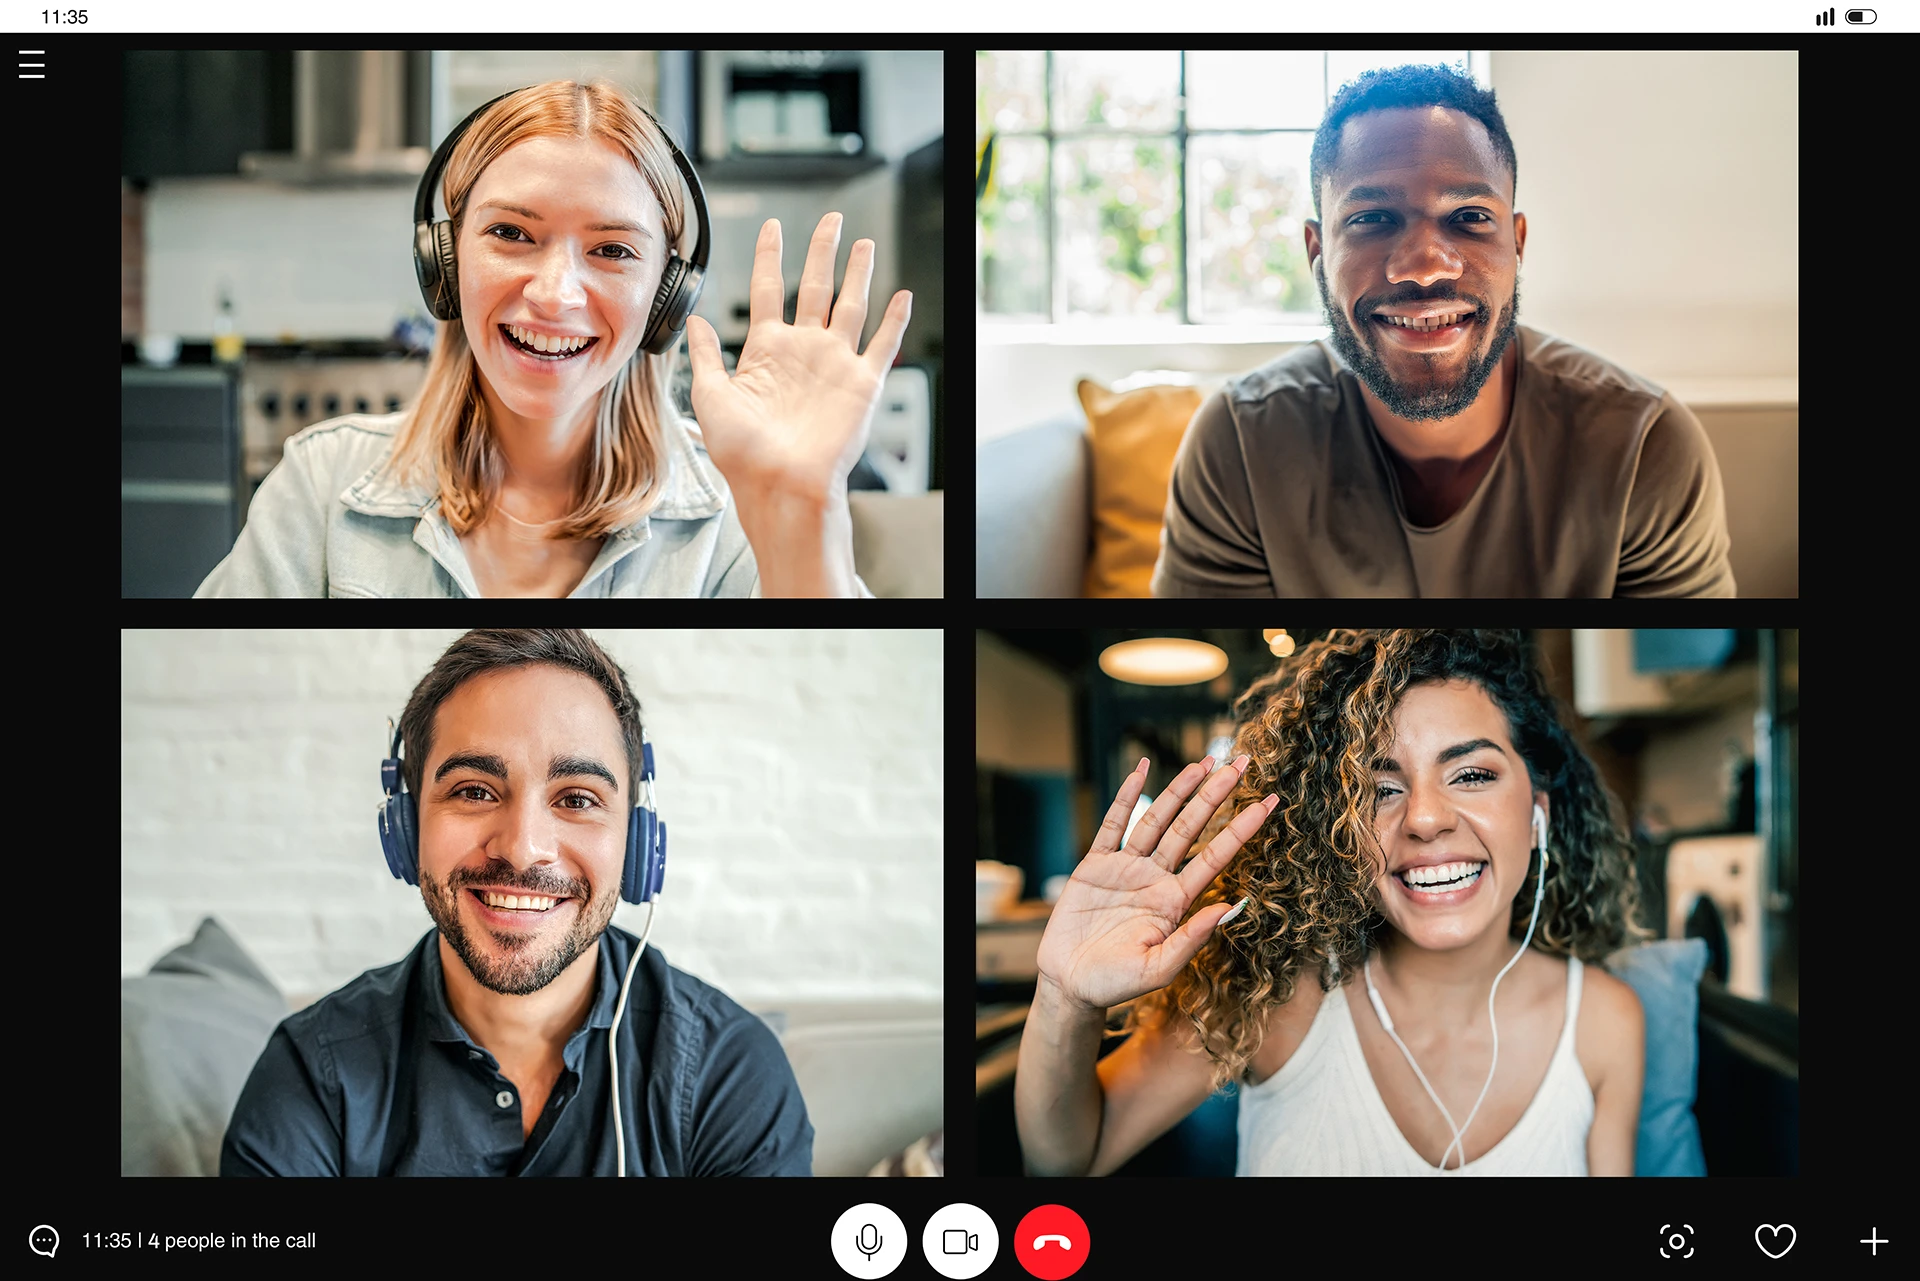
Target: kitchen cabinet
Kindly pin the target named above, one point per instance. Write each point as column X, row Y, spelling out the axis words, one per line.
column 195, row 111
column 922, row 215
column 181, row 498
column 465, row 78
column 783, row 116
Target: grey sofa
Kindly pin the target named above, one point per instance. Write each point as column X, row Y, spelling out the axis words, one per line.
column 1032, row 536
column 898, row 541
column 1031, row 529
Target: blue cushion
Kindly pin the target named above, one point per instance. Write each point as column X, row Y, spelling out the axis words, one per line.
column 1665, row 975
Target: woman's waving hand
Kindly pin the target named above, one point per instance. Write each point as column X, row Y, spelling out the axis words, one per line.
column 791, row 421
column 1116, row 932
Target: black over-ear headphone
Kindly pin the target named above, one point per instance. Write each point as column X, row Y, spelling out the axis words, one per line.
column 433, row 258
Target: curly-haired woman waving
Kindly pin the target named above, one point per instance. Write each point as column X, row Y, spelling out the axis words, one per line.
column 1409, row 825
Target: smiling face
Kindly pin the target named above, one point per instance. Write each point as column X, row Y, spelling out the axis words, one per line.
column 523, row 793
column 1418, row 221
column 557, row 264
column 1454, row 812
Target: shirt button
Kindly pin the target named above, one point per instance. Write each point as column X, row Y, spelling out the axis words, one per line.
column 504, row 1099
column 473, row 1054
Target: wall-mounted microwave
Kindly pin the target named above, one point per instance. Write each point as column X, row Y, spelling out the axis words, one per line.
column 782, row 102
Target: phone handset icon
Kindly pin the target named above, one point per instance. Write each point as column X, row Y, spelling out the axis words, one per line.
column 1061, row 1241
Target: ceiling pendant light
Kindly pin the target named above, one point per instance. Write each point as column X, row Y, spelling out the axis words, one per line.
column 1163, row 660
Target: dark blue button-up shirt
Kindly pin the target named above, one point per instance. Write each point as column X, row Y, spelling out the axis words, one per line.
column 380, row 1078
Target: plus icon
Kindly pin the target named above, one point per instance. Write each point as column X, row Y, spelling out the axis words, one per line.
column 1873, row 1239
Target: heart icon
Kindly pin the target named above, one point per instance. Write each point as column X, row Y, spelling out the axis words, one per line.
column 1773, row 1234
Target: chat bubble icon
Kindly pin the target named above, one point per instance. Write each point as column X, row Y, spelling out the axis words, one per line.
column 43, row 1240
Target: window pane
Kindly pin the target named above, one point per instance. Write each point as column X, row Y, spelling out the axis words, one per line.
column 1261, row 90
column 1109, row 90
column 1013, row 230
column 1118, row 227
column 1009, row 90
column 1250, row 197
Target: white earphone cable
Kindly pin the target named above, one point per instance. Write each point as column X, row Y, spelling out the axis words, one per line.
column 1461, row 1136
column 1379, row 1006
column 613, row 1040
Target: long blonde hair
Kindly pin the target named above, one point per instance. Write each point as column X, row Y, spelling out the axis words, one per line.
column 446, row 434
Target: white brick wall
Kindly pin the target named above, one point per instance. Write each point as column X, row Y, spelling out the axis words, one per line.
column 799, row 773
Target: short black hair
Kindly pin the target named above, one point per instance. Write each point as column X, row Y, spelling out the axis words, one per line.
column 492, row 649
column 1409, row 86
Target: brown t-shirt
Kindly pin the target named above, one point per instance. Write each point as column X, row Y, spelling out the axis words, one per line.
column 1604, row 486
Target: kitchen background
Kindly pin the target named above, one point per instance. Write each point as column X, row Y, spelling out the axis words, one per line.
column 267, row 279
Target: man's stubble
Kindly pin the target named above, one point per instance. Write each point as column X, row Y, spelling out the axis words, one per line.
column 530, row 962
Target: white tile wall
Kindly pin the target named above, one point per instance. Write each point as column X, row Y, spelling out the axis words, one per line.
column 800, row 776
column 301, row 263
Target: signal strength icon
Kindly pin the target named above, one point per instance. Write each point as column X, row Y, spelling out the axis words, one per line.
column 1823, row 19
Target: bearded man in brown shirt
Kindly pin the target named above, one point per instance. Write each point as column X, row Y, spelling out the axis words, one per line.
column 1432, row 446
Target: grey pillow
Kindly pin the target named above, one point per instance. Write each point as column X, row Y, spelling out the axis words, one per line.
column 1665, row 975
column 190, row 1030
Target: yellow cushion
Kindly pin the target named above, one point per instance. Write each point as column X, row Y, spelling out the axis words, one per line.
column 1134, row 437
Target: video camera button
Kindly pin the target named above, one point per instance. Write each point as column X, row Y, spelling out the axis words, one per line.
column 960, row 1240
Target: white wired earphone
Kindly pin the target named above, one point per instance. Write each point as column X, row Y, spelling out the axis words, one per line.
column 613, row 1040
column 652, row 873
column 1386, row 1021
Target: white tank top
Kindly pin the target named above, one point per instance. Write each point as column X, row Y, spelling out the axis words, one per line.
column 1321, row 1113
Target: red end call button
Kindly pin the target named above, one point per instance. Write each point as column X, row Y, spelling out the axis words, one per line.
column 1051, row 1242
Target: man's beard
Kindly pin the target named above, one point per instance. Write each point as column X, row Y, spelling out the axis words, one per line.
column 1431, row 402
column 531, row 961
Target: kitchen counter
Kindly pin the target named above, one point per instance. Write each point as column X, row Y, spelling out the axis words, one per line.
column 201, row 354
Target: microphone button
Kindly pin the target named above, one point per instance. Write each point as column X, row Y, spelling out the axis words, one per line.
column 868, row 1240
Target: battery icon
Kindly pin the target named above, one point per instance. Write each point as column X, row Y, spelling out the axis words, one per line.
column 1860, row 16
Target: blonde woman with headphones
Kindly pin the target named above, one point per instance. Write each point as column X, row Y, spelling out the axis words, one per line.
column 544, row 455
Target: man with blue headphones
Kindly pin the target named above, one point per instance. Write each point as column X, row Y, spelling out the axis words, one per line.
column 524, row 1034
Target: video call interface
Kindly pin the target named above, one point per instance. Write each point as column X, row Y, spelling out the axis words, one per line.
column 1690, row 736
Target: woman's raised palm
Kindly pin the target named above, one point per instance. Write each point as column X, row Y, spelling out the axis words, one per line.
column 793, row 416
column 1116, row 931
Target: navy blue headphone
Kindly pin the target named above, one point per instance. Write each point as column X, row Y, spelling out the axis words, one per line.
column 646, row 863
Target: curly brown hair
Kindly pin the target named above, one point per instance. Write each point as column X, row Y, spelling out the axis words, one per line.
column 1312, row 730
